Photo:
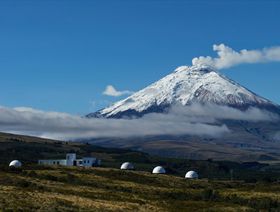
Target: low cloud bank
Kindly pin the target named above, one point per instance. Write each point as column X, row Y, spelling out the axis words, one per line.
column 228, row 57
column 195, row 120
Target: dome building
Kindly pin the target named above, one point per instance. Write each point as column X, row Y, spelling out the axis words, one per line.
column 191, row 175
column 127, row 166
column 159, row 170
column 15, row 164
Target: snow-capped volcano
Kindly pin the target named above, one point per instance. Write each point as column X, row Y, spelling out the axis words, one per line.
column 186, row 85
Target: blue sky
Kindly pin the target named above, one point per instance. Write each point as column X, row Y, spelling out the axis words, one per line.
column 60, row 55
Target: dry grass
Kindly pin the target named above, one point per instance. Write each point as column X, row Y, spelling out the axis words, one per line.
column 103, row 189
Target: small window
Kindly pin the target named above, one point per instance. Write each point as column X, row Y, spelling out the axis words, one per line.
column 54, row 162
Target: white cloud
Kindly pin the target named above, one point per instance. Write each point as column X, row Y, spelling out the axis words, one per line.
column 110, row 90
column 228, row 57
column 195, row 120
column 64, row 126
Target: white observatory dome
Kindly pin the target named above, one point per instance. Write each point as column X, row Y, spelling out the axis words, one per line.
column 127, row 166
column 159, row 170
column 191, row 175
column 15, row 163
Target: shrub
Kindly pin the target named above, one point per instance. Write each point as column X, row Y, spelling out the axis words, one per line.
column 262, row 203
column 50, row 177
column 250, row 180
column 209, row 194
column 23, row 183
column 32, row 174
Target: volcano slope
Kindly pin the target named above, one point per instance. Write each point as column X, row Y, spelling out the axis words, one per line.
column 251, row 133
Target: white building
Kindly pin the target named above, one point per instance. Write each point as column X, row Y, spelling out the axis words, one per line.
column 191, row 175
column 71, row 160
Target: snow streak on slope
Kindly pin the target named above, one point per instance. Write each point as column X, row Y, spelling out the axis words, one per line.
column 186, row 85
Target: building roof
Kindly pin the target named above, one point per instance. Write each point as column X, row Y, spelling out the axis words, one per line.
column 15, row 163
column 127, row 166
column 191, row 175
column 159, row 170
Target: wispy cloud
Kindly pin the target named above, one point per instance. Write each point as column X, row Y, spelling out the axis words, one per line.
column 195, row 120
column 228, row 57
column 110, row 90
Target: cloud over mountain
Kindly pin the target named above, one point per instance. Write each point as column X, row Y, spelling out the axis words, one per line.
column 197, row 120
column 228, row 57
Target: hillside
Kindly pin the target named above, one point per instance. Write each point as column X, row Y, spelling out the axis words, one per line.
column 30, row 149
column 106, row 188
column 247, row 142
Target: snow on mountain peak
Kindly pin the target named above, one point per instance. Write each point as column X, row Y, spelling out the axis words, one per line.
column 185, row 85
column 195, row 68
